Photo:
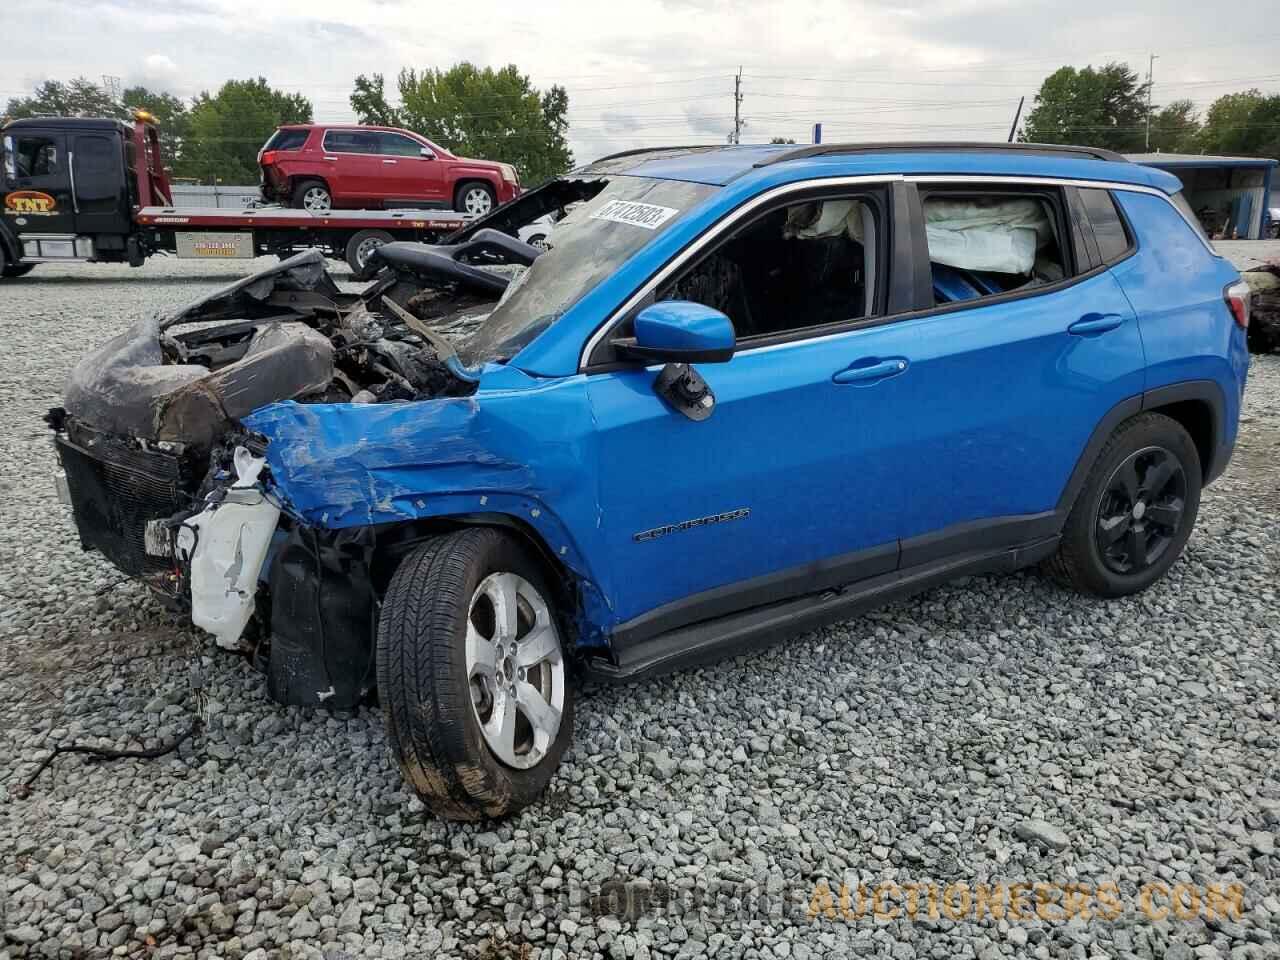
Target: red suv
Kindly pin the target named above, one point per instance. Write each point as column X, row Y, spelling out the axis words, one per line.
column 321, row 167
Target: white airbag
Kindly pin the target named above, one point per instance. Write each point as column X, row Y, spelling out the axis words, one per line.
column 997, row 235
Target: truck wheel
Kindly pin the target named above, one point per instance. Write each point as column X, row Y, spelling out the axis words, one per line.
column 361, row 245
column 474, row 198
column 472, row 675
column 312, row 195
column 1135, row 513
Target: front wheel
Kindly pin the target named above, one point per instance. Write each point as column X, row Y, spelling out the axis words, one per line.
column 475, row 199
column 361, row 246
column 1135, row 512
column 472, row 675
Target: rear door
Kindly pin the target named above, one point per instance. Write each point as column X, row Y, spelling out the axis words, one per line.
column 1010, row 372
column 37, row 183
column 357, row 171
column 97, row 167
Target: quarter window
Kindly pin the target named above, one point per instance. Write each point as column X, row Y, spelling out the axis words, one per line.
column 985, row 244
column 804, row 265
column 1108, row 228
column 287, row 140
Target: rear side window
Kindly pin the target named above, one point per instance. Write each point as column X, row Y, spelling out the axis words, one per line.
column 986, row 244
column 287, row 140
column 350, row 141
column 1108, row 227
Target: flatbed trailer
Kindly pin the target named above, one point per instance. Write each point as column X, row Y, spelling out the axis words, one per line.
column 96, row 191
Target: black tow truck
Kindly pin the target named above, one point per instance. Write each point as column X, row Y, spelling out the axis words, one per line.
column 96, row 190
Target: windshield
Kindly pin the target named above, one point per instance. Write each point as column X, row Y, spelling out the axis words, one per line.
column 584, row 248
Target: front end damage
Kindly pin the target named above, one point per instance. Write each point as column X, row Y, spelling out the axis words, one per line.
column 168, row 483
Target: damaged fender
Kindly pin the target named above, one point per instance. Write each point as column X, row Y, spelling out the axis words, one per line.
column 337, row 466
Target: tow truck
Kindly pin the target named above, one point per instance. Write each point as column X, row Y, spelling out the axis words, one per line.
column 96, row 190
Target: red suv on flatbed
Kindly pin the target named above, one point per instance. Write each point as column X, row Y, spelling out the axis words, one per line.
column 322, row 167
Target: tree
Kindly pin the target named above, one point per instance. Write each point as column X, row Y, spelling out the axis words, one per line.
column 1245, row 123
column 1175, row 128
column 53, row 98
column 490, row 114
column 225, row 131
column 1103, row 107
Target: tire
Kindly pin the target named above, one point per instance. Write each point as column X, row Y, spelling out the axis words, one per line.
column 435, row 609
column 476, row 198
column 1122, row 535
column 361, row 245
column 11, row 271
column 311, row 195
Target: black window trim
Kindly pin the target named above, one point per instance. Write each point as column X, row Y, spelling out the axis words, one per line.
column 1130, row 234
column 904, row 185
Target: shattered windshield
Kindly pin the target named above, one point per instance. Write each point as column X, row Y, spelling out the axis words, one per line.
column 584, row 248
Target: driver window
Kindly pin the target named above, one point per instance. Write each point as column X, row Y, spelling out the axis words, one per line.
column 33, row 157
column 800, row 266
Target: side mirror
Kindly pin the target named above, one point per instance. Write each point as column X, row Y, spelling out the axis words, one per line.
column 426, row 154
column 679, row 331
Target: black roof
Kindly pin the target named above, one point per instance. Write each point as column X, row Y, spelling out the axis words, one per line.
column 66, row 123
column 941, row 146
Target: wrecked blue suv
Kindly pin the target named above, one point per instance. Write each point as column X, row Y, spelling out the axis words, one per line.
column 742, row 392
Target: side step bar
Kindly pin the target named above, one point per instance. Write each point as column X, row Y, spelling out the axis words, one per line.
column 761, row 626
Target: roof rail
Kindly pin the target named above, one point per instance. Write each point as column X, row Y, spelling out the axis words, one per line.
column 940, row 146
column 639, row 150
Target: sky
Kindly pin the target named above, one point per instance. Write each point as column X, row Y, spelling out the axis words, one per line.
column 653, row 72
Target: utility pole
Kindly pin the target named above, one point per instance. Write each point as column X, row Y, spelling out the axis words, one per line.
column 1151, row 65
column 737, row 104
column 1017, row 115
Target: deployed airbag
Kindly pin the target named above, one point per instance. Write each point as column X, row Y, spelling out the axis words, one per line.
column 998, row 235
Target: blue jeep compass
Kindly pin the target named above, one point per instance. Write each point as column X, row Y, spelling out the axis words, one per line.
column 739, row 392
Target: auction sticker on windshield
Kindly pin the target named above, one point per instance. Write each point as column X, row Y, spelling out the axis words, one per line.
column 647, row 215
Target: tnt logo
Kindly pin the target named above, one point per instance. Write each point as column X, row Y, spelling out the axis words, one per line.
column 29, row 203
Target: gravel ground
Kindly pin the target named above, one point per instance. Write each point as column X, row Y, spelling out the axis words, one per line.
column 996, row 730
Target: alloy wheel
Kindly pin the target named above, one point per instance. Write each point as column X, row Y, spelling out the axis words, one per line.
column 477, row 201
column 1141, row 510
column 316, row 198
column 515, row 669
column 365, row 249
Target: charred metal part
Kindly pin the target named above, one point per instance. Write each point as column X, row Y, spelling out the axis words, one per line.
column 1264, row 308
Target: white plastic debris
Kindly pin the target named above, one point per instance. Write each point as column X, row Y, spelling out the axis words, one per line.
column 227, row 544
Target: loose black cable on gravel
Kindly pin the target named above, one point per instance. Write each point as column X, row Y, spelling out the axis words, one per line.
column 99, row 754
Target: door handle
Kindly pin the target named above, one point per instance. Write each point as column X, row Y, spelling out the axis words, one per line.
column 1094, row 323
column 870, row 370
column 332, row 159
column 388, row 161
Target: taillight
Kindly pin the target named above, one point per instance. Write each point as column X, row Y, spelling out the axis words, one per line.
column 1237, row 296
column 268, row 157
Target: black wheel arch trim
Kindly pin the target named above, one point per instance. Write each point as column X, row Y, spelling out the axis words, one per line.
column 1203, row 391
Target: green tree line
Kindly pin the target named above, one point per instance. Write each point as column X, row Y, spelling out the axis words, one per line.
column 1107, row 107
column 484, row 113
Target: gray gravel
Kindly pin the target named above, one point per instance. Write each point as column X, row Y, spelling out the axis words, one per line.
column 997, row 729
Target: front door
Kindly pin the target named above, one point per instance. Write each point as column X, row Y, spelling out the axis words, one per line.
column 408, row 174
column 37, row 183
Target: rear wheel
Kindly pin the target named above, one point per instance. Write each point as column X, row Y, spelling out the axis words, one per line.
column 475, row 198
column 14, row 270
column 1136, row 511
column 361, row 245
column 312, row 195
column 472, row 675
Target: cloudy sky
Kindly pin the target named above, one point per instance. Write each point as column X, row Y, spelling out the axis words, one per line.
column 650, row 72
